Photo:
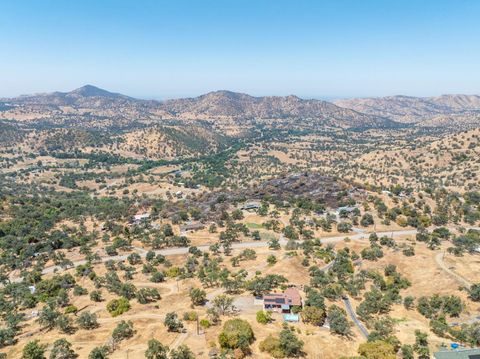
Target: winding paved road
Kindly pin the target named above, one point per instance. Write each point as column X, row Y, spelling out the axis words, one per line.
column 240, row 245
column 354, row 317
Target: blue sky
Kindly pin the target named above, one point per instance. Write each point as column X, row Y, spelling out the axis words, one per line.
column 163, row 49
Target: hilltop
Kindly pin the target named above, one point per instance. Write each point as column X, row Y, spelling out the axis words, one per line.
column 90, row 106
column 220, row 106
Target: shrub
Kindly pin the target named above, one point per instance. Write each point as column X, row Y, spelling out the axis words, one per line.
column 182, row 352
column 157, row 277
column 344, row 227
column 156, row 350
column 377, row 349
column 124, row 330
column 263, row 317
column 71, row 309
column 147, row 295
column 271, row 345
column 99, row 353
column 87, row 320
column 314, row 315
column 118, row 306
column 236, row 333
column 172, row 322
column 198, row 296
column 205, row 323
column 190, row 316
column 78, row 291
column 172, row 272
column 96, row 296
column 338, row 321
column 34, row 350
column 290, row 344
column 62, row 349
column 475, row 292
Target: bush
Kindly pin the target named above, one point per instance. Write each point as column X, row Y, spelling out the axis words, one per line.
column 290, row 344
column 71, row 309
column 118, row 306
column 377, row 349
column 205, row 323
column 236, row 333
column 190, row 316
column 271, row 345
column 99, row 353
column 156, row 350
column 124, row 330
column 157, row 277
column 78, row 291
column 367, row 220
column 271, row 260
column 475, row 292
column 172, row 272
column 198, row 296
column 338, row 321
column 344, row 227
column 62, row 349
column 182, row 352
column 263, row 317
column 87, row 320
column 314, row 315
column 172, row 322
column 147, row 295
column 33, row 350
column 96, row 296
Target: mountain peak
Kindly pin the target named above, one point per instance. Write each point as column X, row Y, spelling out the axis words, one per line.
column 93, row 91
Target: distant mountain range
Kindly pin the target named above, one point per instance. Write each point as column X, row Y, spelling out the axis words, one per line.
column 447, row 110
column 423, row 110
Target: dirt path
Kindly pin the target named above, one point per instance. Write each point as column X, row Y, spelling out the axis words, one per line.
column 439, row 260
column 178, row 341
column 130, row 317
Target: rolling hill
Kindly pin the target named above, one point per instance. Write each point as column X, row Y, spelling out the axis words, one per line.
column 430, row 111
column 219, row 106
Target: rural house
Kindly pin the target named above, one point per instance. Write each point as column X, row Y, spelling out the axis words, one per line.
column 282, row 302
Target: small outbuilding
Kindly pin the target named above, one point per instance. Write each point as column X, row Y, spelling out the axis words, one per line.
column 251, row 206
column 192, row 227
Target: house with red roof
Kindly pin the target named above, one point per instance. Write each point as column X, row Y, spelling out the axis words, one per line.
column 282, row 302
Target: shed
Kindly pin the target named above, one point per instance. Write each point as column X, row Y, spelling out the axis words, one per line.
column 251, row 205
column 192, row 227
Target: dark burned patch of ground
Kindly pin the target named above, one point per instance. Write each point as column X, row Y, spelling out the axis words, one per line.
column 315, row 187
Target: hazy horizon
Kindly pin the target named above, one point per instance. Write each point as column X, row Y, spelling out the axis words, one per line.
column 167, row 97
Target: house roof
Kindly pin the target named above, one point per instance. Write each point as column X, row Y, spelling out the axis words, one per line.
column 290, row 296
column 458, row 354
column 294, row 296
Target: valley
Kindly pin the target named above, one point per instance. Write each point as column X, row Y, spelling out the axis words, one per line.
column 134, row 226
